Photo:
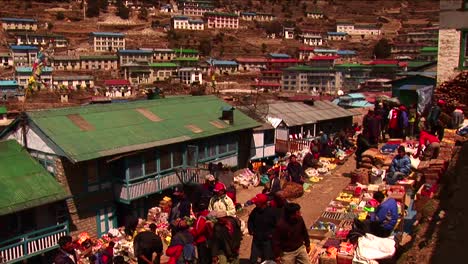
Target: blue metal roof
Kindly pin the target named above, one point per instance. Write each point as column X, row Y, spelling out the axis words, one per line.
column 248, row 13
column 107, row 34
column 8, row 83
column 346, row 52
column 337, row 33
column 29, row 69
column 128, row 51
column 361, row 103
column 180, row 17
column 356, row 95
column 279, row 56
column 23, row 47
column 325, row 50
column 222, row 62
column 412, row 87
column 12, row 19
column 196, row 21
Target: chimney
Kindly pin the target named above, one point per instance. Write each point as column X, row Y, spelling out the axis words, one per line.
column 228, row 114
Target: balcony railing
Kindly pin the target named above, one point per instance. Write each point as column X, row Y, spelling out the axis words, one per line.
column 31, row 244
column 292, row 145
column 127, row 192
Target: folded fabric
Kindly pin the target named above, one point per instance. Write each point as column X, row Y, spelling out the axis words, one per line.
column 371, row 247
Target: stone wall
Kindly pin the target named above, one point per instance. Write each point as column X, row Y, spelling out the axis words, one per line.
column 449, row 54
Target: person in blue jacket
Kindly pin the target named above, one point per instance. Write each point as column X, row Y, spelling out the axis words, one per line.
column 383, row 221
column 400, row 167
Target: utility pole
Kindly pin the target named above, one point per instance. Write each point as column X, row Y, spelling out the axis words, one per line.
column 85, row 4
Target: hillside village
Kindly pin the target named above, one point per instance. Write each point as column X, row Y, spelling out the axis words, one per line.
column 215, row 45
column 119, row 117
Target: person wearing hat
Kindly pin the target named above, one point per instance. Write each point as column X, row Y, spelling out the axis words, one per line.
column 261, row 224
column 220, row 202
column 181, row 206
column 400, row 167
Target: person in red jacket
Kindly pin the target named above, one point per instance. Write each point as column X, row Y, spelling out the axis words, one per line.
column 200, row 232
column 432, row 144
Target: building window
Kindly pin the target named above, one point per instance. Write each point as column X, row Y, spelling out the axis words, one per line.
column 46, row 160
column 106, row 220
column 464, row 50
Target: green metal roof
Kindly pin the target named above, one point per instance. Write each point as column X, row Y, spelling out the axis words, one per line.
column 3, row 110
column 351, row 65
column 308, row 68
column 186, row 51
column 414, row 64
column 186, row 59
column 23, row 181
column 221, row 14
column 429, row 49
column 163, row 65
column 93, row 131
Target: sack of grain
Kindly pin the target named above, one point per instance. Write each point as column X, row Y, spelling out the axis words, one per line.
column 292, row 190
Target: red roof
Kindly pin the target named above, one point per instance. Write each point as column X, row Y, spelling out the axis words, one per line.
column 266, row 84
column 116, row 82
column 384, row 62
column 304, row 97
column 306, row 48
column 284, row 60
column 325, row 57
column 251, row 60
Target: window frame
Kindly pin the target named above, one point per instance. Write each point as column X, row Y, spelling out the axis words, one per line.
column 100, row 184
column 48, row 160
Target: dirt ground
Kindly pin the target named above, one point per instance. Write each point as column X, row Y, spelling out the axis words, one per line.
column 313, row 203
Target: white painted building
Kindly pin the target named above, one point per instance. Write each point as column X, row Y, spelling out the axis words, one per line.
column 74, row 82
column 107, row 41
column 288, row 32
column 312, row 38
column 9, row 23
column 222, row 20
column 189, row 75
column 358, row 29
column 66, row 63
column 25, row 38
column 6, row 60
column 185, row 23
column 24, row 73
column 315, row 15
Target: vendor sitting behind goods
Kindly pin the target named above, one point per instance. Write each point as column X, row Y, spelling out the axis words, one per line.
column 220, row 202
column 181, row 207
column 385, row 218
column 400, row 167
column 294, row 170
column 431, row 143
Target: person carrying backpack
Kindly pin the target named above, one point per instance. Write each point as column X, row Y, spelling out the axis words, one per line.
column 225, row 240
column 182, row 247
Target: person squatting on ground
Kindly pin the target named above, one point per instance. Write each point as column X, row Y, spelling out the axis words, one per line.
column 400, row 167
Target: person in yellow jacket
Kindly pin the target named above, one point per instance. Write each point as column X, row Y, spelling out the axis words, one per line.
column 220, row 202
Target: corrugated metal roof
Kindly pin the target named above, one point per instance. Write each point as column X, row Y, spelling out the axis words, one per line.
column 13, row 19
column 119, row 128
column 137, row 51
column 23, row 181
column 296, row 113
column 29, row 69
column 23, row 47
column 279, row 56
column 73, row 78
column 107, row 34
column 8, row 83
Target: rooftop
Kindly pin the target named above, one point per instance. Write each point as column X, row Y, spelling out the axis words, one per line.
column 181, row 59
column 163, row 65
column 24, row 20
column 116, row 82
column 76, row 77
column 221, row 14
column 429, row 49
column 29, row 69
column 83, row 133
column 98, row 57
column 25, row 183
column 186, row 51
column 246, row 60
column 337, row 33
column 221, row 62
column 326, row 51
column 136, row 51
column 346, row 52
column 108, row 34
column 8, row 83
column 325, row 57
column 23, row 47
column 305, row 68
column 279, row 56
column 297, row 113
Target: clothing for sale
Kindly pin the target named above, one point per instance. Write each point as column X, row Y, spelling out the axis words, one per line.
column 290, row 236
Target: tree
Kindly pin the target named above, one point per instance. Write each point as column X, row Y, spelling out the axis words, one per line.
column 382, row 49
column 143, row 15
column 60, row 16
column 205, row 47
column 93, row 8
column 122, row 11
column 103, row 4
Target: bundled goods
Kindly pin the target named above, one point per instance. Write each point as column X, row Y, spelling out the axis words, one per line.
column 360, row 176
column 246, row 178
column 292, row 190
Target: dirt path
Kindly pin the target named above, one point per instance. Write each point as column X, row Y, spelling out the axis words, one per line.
column 313, row 203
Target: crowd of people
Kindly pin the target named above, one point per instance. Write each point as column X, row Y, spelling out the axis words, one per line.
column 209, row 231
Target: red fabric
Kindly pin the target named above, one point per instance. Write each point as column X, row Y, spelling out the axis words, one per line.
column 260, row 198
column 174, row 252
column 232, row 195
column 199, row 230
column 106, row 258
column 219, row 186
column 393, row 123
column 426, row 137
